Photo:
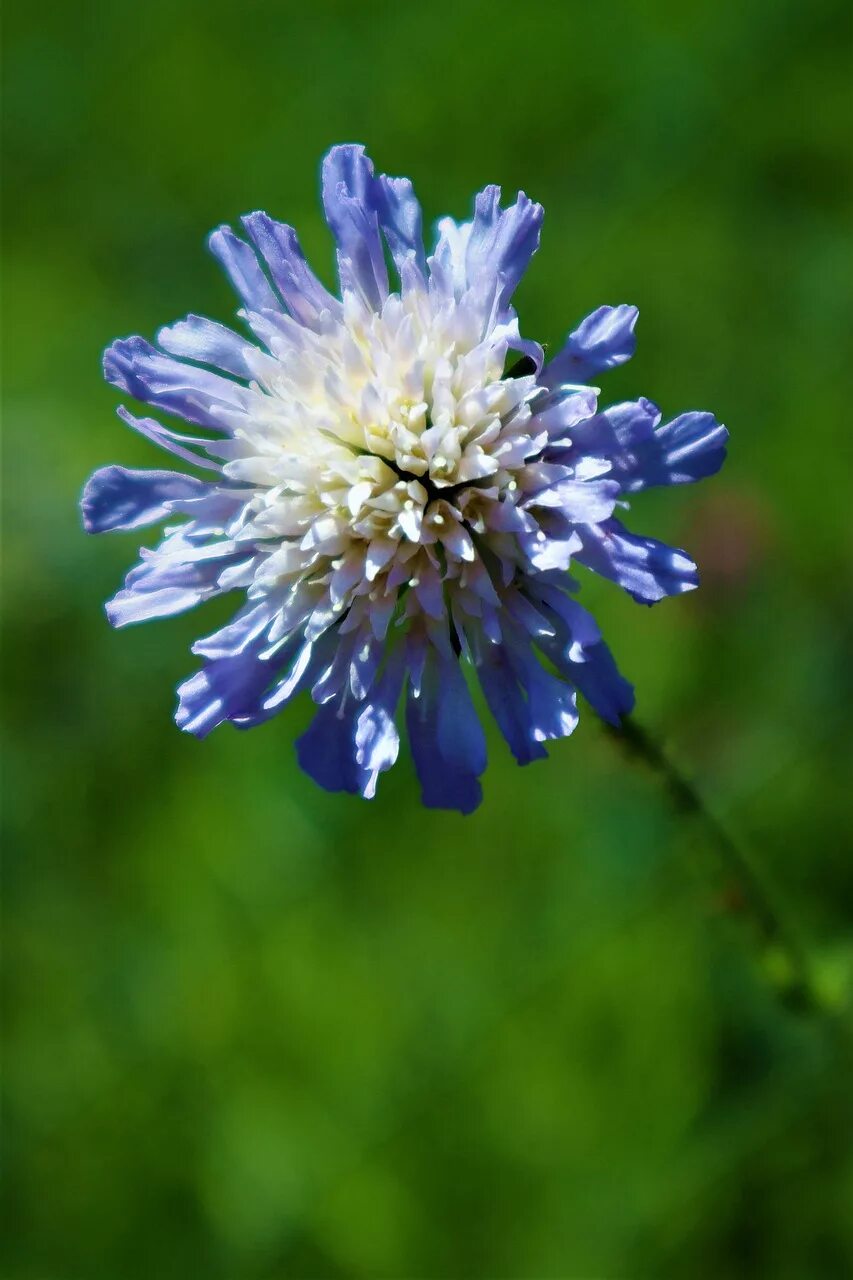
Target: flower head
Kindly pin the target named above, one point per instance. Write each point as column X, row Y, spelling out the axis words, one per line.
column 398, row 484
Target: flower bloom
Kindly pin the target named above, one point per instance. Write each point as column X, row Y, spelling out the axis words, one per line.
column 398, row 484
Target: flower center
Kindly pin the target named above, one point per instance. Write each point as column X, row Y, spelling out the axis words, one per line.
column 385, row 445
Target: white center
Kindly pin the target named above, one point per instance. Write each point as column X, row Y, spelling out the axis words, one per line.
column 363, row 424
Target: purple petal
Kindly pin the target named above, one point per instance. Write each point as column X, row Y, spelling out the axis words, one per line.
column 171, row 441
column 647, row 569
column 447, row 739
column 551, row 703
column 229, row 688
column 506, row 701
column 601, row 683
column 326, row 751
column 305, row 297
column 401, row 220
column 643, row 454
column 197, row 395
column 582, row 658
column 197, row 338
column 118, row 498
column 351, row 213
column 687, row 449
column 500, row 246
column 240, row 633
column 580, row 501
column 243, row 270
column 377, row 741
column 167, row 582
column 601, row 341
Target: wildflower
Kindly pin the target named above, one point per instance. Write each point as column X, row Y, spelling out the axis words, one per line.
column 398, row 483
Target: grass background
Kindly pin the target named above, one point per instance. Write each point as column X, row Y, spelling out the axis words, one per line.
column 254, row 1031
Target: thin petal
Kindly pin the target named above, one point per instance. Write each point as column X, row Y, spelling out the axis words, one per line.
column 643, row 454
column 118, row 498
column 171, row 441
column 647, row 569
column 243, row 270
column 351, row 213
column 228, row 688
column 326, row 751
column 500, row 246
column 447, row 739
column 197, row 395
column 165, row 583
column 506, row 702
column 581, row 656
column 377, row 741
column 197, row 338
column 401, row 220
column 601, row 341
column 305, row 297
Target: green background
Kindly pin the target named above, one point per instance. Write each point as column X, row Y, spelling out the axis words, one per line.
column 255, row 1031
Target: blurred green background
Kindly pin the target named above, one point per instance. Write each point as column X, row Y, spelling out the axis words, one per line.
column 255, row 1031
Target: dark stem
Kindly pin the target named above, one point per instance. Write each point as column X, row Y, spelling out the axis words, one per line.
column 746, row 890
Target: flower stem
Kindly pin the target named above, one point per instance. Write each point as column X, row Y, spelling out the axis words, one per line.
column 786, row 960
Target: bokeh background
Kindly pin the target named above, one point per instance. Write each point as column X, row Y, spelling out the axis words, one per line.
column 255, row 1031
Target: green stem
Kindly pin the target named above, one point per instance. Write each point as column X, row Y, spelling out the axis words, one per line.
column 791, row 968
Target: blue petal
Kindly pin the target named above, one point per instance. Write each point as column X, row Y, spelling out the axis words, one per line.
column 506, row 702
column 377, row 741
column 197, row 395
column 597, row 678
column 582, row 657
column 614, row 433
column 164, row 583
column 349, row 202
column 326, row 751
column 689, row 448
column 229, row 688
column 309, row 658
column 551, row 703
column 377, row 744
column 171, row 441
column 305, row 297
column 559, row 412
column 447, row 739
column 647, row 569
column 197, row 338
column 601, row 683
column 212, row 512
column 500, row 245
column 580, row 501
column 547, row 554
column 252, row 621
column 447, row 263
column 642, row 454
column 401, row 220
column 603, row 340
column 117, row 498
column 243, row 270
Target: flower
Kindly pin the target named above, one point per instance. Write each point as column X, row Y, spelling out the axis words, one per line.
column 399, row 483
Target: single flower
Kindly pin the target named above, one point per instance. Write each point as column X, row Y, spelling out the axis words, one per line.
column 397, row 483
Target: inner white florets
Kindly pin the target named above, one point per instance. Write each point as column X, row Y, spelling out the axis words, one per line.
column 384, row 447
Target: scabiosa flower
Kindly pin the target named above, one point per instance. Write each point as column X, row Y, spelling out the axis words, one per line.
column 398, row 483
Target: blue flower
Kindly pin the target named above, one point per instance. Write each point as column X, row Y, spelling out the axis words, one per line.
column 398, row 483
